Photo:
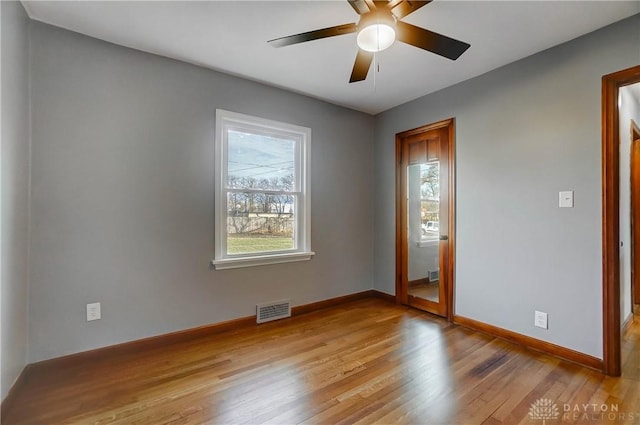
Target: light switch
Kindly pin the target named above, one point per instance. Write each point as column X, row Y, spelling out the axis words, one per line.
column 566, row 199
column 540, row 320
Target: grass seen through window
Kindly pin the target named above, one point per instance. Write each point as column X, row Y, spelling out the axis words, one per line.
column 246, row 245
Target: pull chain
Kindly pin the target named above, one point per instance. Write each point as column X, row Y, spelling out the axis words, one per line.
column 376, row 69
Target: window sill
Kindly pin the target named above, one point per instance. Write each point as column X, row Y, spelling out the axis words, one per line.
column 263, row 260
column 428, row 242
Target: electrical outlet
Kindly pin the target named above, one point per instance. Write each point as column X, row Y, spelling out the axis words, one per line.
column 540, row 320
column 93, row 312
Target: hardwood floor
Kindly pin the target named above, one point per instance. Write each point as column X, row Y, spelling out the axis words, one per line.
column 427, row 291
column 366, row 361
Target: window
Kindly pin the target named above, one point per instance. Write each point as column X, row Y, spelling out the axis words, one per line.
column 430, row 201
column 262, row 204
column 424, row 202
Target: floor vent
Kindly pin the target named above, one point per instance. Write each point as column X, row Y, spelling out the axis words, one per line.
column 267, row 312
column 434, row 276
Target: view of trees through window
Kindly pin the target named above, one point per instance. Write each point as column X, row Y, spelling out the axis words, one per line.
column 261, row 195
column 430, row 200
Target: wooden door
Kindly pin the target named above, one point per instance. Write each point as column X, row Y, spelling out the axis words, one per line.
column 635, row 213
column 424, row 221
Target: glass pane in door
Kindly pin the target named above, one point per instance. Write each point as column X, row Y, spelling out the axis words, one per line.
column 423, row 230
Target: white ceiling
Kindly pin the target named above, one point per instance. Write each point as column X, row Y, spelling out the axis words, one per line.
column 230, row 36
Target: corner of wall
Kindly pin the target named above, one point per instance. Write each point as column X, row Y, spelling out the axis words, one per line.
column 15, row 171
column 29, row 158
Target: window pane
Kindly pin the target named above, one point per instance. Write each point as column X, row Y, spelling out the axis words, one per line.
column 260, row 162
column 430, row 200
column 259, row 222
column 430, row 181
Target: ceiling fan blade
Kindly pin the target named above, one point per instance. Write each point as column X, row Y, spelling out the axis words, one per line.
column 431, row 41
column 372, row 4
column 313, row 35
column 401, row 8
column 360, row 6
column 361, row 66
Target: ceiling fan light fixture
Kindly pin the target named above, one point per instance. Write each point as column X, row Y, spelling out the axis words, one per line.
column 376, row 37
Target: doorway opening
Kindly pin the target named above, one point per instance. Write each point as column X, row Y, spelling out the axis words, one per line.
column 425, row 214
column 611, row 309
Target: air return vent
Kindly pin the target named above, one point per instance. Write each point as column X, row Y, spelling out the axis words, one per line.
column 434, row 275
column 267, row 312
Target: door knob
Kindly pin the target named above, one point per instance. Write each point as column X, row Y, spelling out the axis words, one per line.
column 444, row 237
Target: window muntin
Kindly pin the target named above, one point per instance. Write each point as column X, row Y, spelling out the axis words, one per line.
column 262, row 195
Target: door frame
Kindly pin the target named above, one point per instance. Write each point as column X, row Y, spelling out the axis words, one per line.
column 611, row 83
column 401, row 292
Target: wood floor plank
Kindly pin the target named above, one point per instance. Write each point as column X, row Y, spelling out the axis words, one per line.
column 367, row 361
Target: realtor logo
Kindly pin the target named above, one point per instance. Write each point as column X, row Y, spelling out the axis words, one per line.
column 544, row 409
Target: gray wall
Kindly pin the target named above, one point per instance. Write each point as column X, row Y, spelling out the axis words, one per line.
column 122, row 196
column 629, row 110
column 523, row 133
column 15, row 190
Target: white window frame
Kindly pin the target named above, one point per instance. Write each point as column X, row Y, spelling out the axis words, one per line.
column 226, row 120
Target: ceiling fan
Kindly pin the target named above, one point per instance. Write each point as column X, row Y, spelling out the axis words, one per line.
column 379, row 26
